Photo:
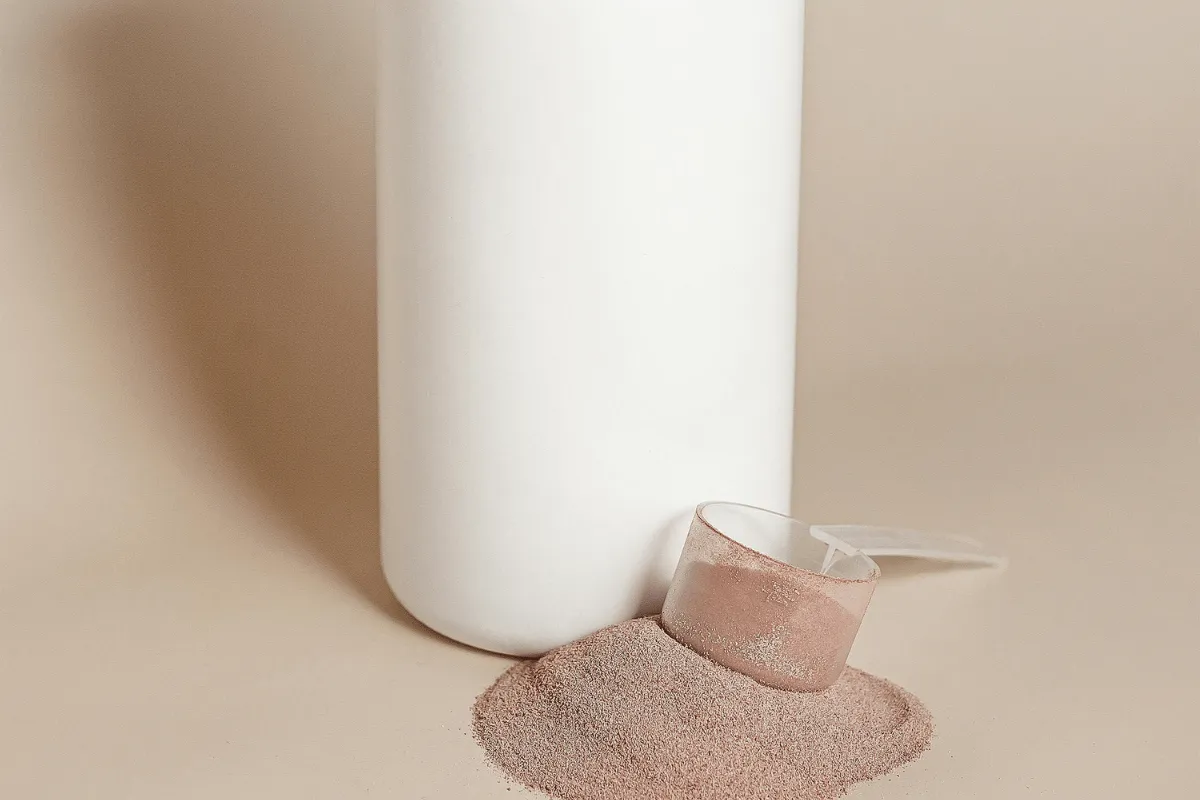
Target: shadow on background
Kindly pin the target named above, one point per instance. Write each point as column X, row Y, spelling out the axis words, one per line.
column 245, row 157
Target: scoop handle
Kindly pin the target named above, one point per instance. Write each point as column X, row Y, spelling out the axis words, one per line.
column 875, row 541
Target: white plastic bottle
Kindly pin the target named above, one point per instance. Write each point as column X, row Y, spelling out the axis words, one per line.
column 588, row 222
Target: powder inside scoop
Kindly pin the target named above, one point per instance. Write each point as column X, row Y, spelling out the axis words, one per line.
column 777, row 629
column 630, row 714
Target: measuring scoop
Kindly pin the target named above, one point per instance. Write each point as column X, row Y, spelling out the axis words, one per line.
column 780, row 600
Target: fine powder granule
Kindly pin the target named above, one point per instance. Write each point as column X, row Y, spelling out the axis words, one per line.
column 630, row 714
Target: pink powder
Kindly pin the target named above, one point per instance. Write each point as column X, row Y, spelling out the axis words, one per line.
column 630, row 714
column 784, row 626
column 777, row 630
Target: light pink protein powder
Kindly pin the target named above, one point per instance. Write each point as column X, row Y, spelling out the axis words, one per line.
column 771, row 625
column 630, row 714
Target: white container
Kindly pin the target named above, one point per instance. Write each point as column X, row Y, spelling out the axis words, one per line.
column 588, row 222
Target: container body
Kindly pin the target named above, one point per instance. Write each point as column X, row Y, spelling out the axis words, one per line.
column 588, row 221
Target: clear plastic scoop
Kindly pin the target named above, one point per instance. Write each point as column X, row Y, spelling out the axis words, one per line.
column 751, row 593
column 780, row 600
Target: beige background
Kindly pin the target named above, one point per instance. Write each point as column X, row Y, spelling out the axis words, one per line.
column 1000, row 335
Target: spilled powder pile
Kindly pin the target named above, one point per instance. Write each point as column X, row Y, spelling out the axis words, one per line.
column 630, row 714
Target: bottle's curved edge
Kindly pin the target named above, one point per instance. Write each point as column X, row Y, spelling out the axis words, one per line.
column 517, row 645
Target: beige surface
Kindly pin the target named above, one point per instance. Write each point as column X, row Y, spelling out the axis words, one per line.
column 1000, row 335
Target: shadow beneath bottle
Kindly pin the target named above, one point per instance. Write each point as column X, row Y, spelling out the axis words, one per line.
column 242, row 154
